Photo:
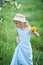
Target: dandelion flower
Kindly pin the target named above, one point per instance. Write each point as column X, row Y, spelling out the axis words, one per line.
column 33, row 29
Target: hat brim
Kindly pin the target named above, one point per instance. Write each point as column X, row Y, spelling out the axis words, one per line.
column 19, row 19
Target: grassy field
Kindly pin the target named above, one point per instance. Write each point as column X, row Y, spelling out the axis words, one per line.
column 8, row 31
column 26, row 1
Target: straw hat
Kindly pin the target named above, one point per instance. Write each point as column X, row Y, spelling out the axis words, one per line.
column 20, row 17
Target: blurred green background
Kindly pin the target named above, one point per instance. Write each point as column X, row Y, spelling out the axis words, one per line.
column 33, row 10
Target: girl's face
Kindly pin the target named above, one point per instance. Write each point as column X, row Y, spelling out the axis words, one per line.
column 21, row 25
column 18, row 24
column 25, row 24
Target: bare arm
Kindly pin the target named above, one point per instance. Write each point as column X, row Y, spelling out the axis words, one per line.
column 33, row 30
column 17, row 39
column 36, row 34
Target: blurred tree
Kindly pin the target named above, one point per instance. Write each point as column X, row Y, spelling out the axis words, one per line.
column 3, row 2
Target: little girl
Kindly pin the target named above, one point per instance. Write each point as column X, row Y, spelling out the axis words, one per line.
column 23, row 51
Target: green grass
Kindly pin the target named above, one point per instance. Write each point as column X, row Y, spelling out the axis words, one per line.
column 27, row 1
column 8, row 31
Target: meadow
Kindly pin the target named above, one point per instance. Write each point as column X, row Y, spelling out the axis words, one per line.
column 8, row 31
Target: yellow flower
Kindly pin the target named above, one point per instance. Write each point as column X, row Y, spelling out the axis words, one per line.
column 33, row 29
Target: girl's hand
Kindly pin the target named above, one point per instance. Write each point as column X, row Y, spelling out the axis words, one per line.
column 17, row 39
column 36, row 34
column 33, row 30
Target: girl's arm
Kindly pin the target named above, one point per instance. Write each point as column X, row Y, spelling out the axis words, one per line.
column 17, row 39
column 33, row 30
column 36, row 34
